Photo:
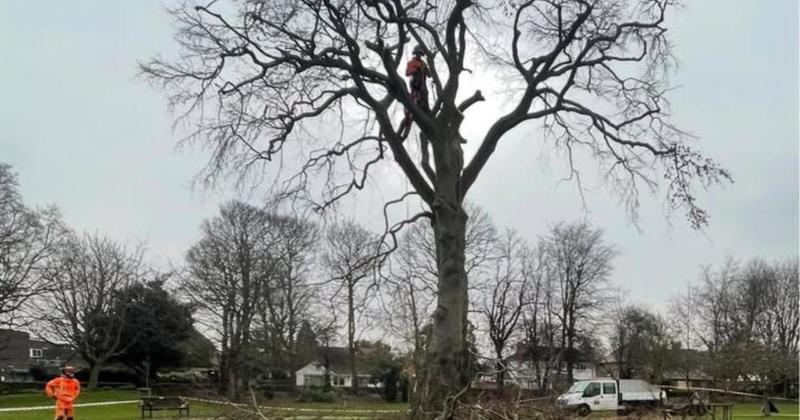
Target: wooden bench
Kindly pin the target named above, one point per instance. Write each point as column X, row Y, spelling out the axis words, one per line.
column 164, row 403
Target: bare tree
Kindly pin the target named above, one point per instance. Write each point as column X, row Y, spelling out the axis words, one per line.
column 229, row 269
column 80, row 307
column 714, row 309
column 684, row 323
column 260, row 77
column 28, row 240
column 505, row 298
column 410, row 295
column 747, row 320
column 350, row 260
column 780, row 325
column 580, row 263
column 287, row 294
column 541, row 329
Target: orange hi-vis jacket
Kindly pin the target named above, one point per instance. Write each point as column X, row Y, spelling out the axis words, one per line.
column 64, row 390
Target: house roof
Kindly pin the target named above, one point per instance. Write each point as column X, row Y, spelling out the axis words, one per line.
column 338, row 360
column 525, row 353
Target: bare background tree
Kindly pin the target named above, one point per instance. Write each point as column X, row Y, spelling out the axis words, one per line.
column 505, row 297
column 28, row 240
column 350, row 260
column 257, row 78
column 581, row 264
column 229, row 270
column 744, row 317
column 540, row 325
column 288, row 294
column 88, row 272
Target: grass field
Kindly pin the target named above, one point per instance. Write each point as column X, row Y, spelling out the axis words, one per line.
column 131, row 411
column 112, row 412
column 753, row 410
column 285, row 410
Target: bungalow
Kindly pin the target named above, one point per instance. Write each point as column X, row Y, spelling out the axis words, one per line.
column 334, row 361
column 542, row 367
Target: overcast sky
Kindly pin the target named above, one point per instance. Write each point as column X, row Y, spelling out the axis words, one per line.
column 86, row 135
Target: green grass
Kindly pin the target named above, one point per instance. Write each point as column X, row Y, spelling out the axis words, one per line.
column 744, row 410
column 198, row 410
column 753, row 410
column 344, row 405
column 131, row 411
column 111, row 412
column 35, row 398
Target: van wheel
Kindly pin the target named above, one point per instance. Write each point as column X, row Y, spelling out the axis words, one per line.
column 584, row 410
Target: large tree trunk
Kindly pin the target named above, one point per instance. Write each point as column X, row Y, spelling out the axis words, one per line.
column 501, row 368
column 229, row 377
column 446, row 370
column 351, row 334
column 570, row 354
column 231, row 385
column 94, row 375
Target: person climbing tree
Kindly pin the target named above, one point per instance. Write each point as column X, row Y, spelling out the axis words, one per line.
column 418, row 72
column 65, row 390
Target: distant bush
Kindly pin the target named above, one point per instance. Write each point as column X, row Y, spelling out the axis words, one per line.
column 312, row 395
column 43, row 373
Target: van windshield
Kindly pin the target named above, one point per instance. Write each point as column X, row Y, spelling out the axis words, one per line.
column 577, row 387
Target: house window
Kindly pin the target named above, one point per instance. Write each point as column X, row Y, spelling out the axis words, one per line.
column 339, row 381
column 36, row 353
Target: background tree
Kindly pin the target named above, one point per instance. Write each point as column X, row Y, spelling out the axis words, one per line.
column 541, row 329
column 744, row 315
column 580, row 263
column 28, row 240
column 229, row 269
column 287, row 294
column 88, row 274
column 780, row 323
column 505, row 297
column 349, row 258
column 306, row 345
column 156, row 326
column 640, row 344
column 325, row 328
column 199, row 351
column 259, row 77
column 385, row 366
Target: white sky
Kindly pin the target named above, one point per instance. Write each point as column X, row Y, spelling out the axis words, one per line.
column 84, row 134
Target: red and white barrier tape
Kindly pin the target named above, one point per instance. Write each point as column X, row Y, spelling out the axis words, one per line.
column 298, row 410
column 50, row 407
column 723, row 391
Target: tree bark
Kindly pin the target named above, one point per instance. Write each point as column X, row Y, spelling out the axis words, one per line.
column 94, row 375
column 446, row 370
column 351, row 333
column 570, row 354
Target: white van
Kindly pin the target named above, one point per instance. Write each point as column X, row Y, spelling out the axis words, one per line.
column 607, row 394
